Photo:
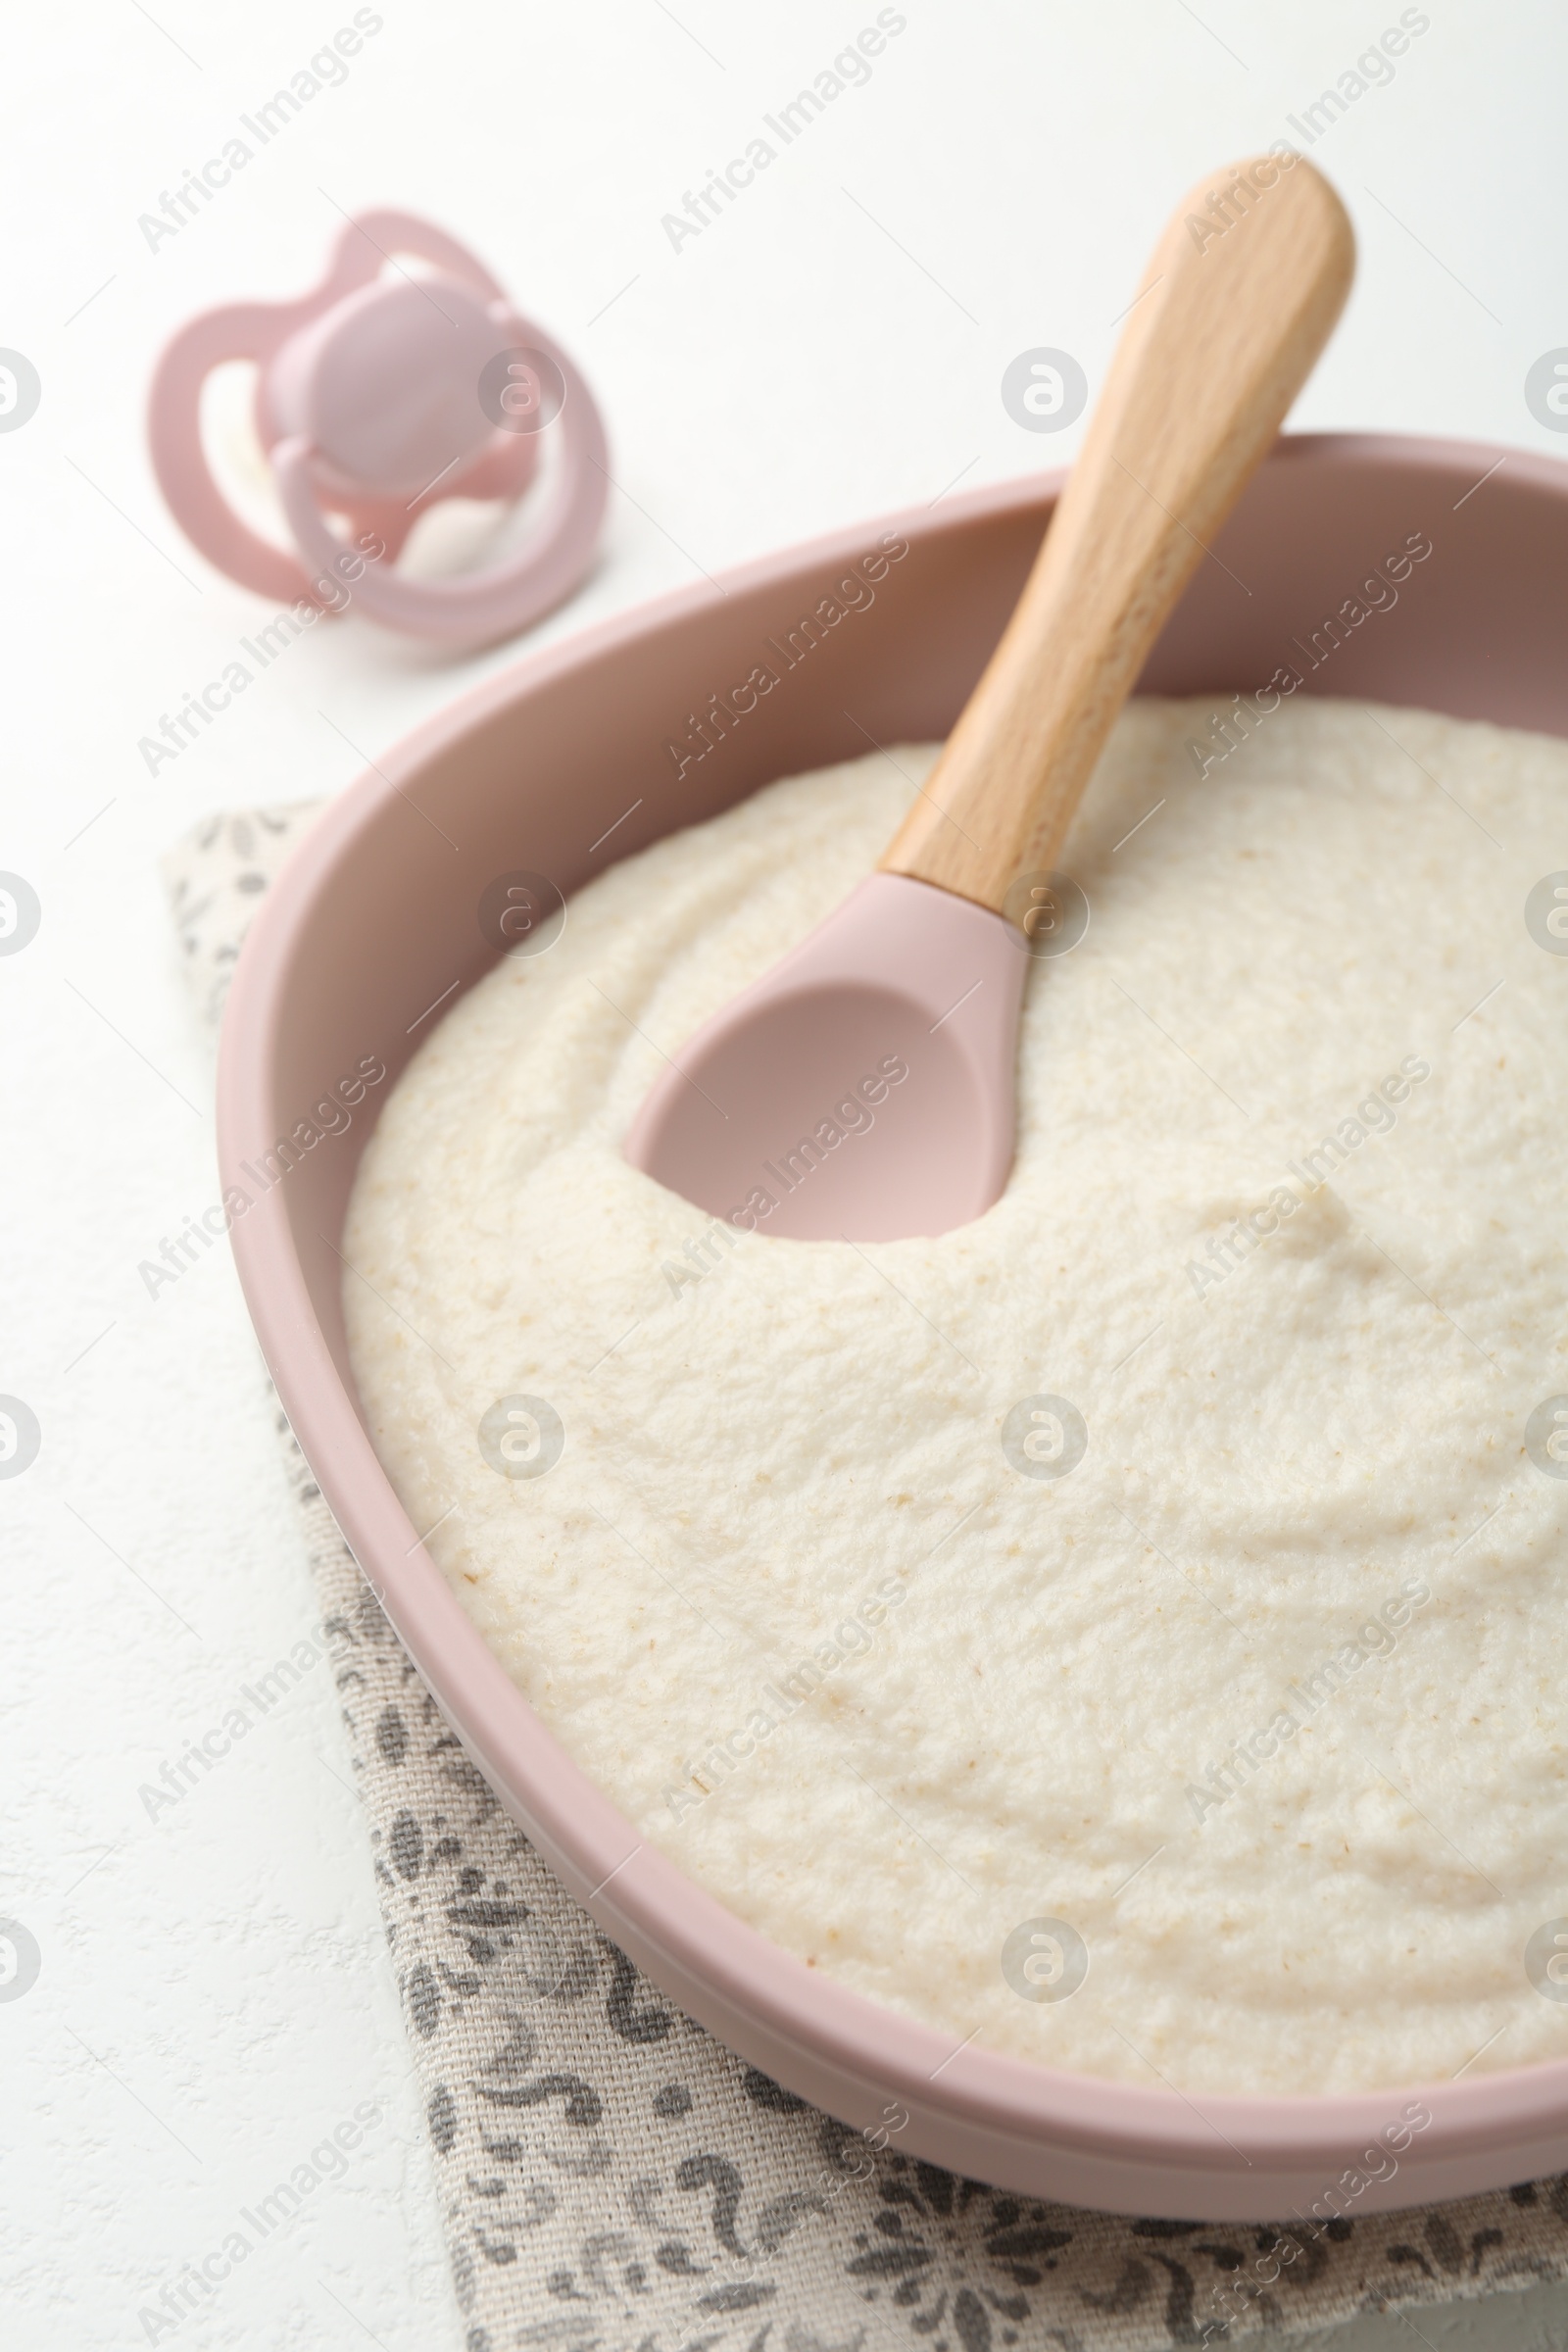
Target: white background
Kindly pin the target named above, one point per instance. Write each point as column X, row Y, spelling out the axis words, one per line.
column 215, row 1994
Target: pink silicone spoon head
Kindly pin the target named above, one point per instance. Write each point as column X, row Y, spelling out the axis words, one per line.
column 862, row 1089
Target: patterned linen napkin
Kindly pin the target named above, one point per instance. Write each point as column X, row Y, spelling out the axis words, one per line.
column 612, row 2177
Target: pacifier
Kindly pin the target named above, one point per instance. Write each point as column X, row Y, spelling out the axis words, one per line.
column 377, row 396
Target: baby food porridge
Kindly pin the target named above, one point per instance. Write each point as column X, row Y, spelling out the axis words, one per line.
column 1127, row 1629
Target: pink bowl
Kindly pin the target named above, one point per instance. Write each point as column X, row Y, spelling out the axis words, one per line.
column 374, row 924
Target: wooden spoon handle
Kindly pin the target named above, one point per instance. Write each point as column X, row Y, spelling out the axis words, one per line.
column 1235, row 305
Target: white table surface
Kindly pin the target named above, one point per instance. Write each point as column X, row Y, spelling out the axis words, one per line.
column 215, row 1994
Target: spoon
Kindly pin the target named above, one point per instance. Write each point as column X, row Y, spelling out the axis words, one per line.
column 863, row 1088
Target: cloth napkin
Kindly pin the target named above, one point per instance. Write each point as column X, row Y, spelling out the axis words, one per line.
column 612, row 2177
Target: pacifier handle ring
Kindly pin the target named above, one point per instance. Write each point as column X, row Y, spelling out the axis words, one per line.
column 492, row 603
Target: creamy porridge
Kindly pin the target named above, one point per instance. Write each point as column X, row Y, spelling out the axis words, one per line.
column 1127, row 1629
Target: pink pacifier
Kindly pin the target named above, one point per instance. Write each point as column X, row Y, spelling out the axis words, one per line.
column 377, row 396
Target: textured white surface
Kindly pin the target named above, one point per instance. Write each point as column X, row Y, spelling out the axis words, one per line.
column 796, row 1593
column 213, row 1997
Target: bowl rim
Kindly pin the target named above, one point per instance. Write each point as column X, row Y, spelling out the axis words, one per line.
column 636, row 1894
